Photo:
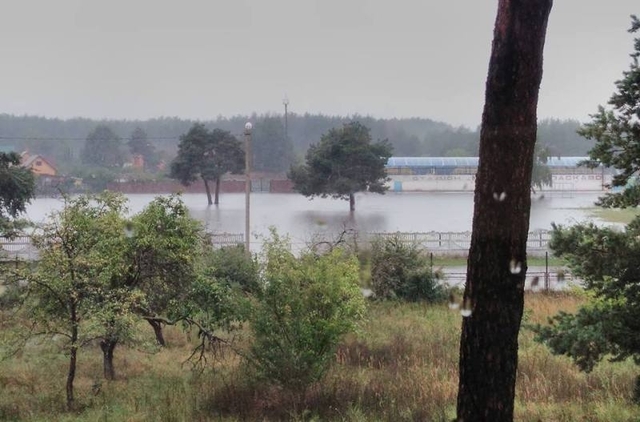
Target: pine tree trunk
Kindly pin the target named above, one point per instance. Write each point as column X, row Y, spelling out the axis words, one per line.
column 352, row 202
column 497, row 257
column 206, row 188
column 157, row 330
column 108, row 346
column 217, row 192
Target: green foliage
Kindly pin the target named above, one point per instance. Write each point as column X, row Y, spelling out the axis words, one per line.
column 139, row 144
column 206, row 154
column 616, row 131
column 342, row 163
column 231, row 266
column 608, row 262
column 103, row 148
column 17, row 188
column 541, row 173
column 401, row 270
column 307, row 305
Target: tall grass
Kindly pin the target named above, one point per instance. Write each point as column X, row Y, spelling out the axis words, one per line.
column 401, row 366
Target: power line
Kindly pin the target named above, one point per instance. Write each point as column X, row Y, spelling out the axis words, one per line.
column 46, row 138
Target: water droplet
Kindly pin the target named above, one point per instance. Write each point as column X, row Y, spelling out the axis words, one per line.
column 499, row 196
column 466, row 308
column 453, row 303
column 515, row 267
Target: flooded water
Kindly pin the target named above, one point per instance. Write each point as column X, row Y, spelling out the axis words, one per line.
column 302, row 218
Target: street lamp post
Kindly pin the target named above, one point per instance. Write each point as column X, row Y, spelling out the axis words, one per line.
column 285, row 101
column 247, row 187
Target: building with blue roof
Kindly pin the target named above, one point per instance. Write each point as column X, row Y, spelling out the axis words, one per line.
column 458, row 174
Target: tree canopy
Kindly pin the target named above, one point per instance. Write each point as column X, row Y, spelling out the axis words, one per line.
column 616, row 131
column 344, row 162
column 207, row 155
column 17, row 188
column 103, row 148
column 606, row 259
column 139, row 144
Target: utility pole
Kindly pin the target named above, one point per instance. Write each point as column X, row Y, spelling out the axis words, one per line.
column 285, row 101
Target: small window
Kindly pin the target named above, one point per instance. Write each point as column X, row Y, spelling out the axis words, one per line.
column 38, row 163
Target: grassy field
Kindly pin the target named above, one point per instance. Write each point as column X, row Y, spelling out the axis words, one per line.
column 616, row 215
column 401, row 366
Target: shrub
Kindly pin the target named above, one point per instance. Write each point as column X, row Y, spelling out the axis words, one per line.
column 306, row 306
column 401, row 270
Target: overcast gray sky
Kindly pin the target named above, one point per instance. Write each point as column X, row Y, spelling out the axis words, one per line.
column 203, row 58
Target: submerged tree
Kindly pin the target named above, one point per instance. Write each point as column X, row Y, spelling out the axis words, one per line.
column 344, row 162
column 494, row 292
column 207, row 155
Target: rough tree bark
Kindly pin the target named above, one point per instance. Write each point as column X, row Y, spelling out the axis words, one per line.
column 73, row 353
column 108, row 346
column 497, row 257
column 157, row 330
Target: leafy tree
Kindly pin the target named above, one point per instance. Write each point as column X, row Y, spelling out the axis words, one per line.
column 343, row 163
column 400, row 270
column 541, row 174
column 17, row 188
column 617, row 132
column 604, row 258
column 69, row 276
column 607, row 260
column 103, row 148
column 139, row 145
column 161, row 259
column 207, row 155
column 494, row 291
column 307, row 305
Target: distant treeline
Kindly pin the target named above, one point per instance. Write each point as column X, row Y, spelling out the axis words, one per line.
column 63, row 140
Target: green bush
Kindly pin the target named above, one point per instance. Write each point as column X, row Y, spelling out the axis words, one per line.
column 232, row 266
column 401, row 270
column 307, row 305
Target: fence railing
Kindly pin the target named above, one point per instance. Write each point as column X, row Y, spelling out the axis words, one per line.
column 437, row 242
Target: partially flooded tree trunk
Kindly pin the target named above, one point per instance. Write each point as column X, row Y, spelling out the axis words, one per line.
column 208, row 190
column 157, row 330
column 497, row 258
column 217, row 192
column 108, row 346
column 352, row 202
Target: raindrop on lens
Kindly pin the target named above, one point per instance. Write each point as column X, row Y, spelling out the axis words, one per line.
column 453, row 304
column 515, row 267
column 466, row 308
column 499, row 196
